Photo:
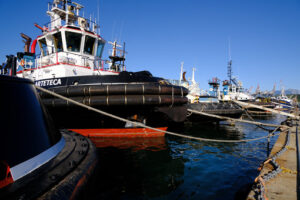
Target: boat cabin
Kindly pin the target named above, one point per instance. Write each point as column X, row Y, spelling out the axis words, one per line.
column 69, row 46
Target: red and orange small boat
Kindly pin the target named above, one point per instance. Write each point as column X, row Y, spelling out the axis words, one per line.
column 121, row 132
column 136, row 138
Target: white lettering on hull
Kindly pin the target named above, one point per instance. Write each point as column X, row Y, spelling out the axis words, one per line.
column 50, row 82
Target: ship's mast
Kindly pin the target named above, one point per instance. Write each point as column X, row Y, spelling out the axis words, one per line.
column 193, row 75
column 272, row 93
column 181, row 73
column 229, row 66
column 117, row 55
column 257, row 91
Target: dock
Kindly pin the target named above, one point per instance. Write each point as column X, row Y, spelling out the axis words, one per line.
column 279, row 180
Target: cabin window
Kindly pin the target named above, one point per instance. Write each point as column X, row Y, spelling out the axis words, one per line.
column 89, row 45
column 100, row 48
column 43, row 47
column 58, row 42
column 73, row 41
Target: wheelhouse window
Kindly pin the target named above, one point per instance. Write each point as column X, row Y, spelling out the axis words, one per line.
column 58, row 42
column 73, row 41
column 100, row 48
column 89, row 45
column 43, row 47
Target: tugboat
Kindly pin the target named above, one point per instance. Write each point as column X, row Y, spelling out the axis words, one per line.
column 71, row 64
column 233, row 89
column 210, row 103
column 37, row 161
column 235, row 92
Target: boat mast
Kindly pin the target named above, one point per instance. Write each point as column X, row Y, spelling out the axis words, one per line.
column 274, row 90
column 229, row 66
column 181, row 73
column 193, row 75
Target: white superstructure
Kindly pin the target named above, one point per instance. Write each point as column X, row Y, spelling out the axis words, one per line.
column 236, row 92
column 70, row 45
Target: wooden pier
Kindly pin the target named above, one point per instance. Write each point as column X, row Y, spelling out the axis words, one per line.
column 283, row 182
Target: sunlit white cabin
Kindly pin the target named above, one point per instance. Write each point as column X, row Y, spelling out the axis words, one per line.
column 70, row 45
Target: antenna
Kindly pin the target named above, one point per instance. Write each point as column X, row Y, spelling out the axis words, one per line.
column 229, row 66
column 113, row 30
column 98, row 15
column 121, row 29
column 229, row 50
column 90, row 22
column 229, row 71
column 124, row 55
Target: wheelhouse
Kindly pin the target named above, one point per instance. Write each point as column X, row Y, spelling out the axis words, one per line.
column 71, row 40
column 69, row 46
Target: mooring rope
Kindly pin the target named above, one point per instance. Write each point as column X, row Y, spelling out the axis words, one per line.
column 232, row 119
column 149, row 127
column 249, row 105
column 251, row 118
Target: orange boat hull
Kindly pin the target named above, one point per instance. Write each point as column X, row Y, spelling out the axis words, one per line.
column 122, row 132
column 135, row 138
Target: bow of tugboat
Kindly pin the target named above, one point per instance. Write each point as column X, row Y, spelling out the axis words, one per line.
column 37, row 160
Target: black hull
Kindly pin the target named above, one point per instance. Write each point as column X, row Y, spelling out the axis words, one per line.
column 66, row 176
column 123, row 77
column 37, row 161
column 134, row 96
column 225, row 109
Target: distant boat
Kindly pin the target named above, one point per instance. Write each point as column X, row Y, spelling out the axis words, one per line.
column 209, row 102
column 233, row 88
column 282, row 101
column 235, row 92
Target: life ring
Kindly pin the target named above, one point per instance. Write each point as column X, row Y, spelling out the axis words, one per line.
column 22, row 63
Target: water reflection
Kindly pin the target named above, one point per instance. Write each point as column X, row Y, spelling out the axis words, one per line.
column 181, row 168
column 127, row 174
column 135, row 144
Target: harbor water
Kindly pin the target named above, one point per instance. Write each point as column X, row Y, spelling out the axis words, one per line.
column 176, row 168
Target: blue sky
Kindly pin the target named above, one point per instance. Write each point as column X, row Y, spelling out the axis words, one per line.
column 160, row 34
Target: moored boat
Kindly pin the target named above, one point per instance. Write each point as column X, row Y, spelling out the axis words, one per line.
column 124, row 132
column 71, row 64
column 210, row 103
column 37, row 160
column 283, row 102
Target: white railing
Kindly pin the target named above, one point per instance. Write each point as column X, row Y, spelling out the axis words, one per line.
column 72, row 19
column 69, row 58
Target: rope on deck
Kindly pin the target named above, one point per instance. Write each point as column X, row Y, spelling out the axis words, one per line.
column 145, row 126
column 250, row 105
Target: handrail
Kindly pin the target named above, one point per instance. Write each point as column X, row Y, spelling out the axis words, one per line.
column 91, row 24
column 55, row 58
